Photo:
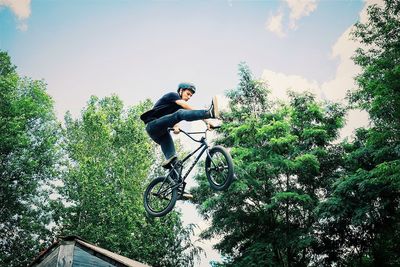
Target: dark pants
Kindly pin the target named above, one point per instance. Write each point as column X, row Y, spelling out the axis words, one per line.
column 158, row 129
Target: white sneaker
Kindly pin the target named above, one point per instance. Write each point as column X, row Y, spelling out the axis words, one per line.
column 167, row 163
column 214, row 111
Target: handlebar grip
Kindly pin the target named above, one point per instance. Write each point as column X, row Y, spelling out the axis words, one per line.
column 215, row 127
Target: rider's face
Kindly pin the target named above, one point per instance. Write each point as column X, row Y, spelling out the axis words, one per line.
column 186, row 94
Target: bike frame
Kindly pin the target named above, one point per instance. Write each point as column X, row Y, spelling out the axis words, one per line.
column 172, row 190
column 178, row 166
column 180, row 163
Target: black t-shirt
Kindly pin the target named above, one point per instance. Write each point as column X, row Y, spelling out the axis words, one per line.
column 164, row 106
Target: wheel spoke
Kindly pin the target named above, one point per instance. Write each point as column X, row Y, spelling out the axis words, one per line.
column 219, row 168
column 160, row 196
column 217, row 171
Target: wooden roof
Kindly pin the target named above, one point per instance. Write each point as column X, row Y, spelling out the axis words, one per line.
column 85, row 244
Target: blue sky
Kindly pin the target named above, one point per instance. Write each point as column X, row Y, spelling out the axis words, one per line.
column 143, row 49
column 140, row 49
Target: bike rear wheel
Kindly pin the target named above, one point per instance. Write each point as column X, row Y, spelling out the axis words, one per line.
column 160, row 197
column 219, row 168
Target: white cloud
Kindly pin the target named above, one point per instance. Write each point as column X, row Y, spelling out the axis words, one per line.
column 344, row 49
column 280, row 83
column 21, row 8
column 275, row 25
column 22, row 26
column 335, row 89
column 297, row 10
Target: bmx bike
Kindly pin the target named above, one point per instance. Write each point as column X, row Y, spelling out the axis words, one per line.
column 162, row 193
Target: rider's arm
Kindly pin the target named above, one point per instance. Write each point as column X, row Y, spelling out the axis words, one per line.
column 183, row 104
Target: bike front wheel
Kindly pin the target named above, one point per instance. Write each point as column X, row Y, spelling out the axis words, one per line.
column 219, row 168
column 160, row 197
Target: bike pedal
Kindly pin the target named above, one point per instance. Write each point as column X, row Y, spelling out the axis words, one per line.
column 185, row 196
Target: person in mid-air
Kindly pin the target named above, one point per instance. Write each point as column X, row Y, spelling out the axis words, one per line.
column 168, row 111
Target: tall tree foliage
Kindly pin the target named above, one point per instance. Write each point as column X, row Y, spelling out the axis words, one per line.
column 245, row 94
column 363, row 211
column 285, row 163
column 28, row 156
column 110, row 156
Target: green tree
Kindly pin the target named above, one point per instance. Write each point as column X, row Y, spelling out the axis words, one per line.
column 110, row 157
column 285, row 163
column 363, row 212
column 243, row 96
column 28, row 157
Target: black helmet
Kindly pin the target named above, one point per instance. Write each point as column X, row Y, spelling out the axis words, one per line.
column 189, row 86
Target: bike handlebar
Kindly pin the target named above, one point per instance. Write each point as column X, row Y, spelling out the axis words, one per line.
column 189, row 133
column 211, row 127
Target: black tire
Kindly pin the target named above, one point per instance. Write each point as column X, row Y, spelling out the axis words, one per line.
column 160, row 197
column 219, row 168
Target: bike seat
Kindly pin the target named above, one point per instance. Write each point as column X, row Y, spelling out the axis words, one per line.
column 168, row 163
